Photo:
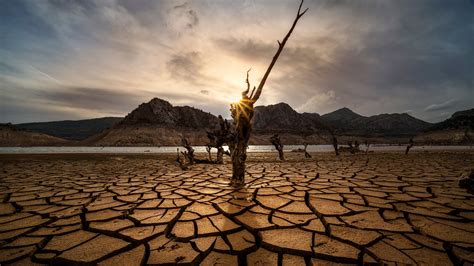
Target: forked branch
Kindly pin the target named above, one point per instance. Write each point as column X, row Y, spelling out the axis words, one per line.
column 281, row 44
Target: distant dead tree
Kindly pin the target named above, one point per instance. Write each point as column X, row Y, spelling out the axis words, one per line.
column 334, row 144
column 189, row 153
column 409, row 146
column 306, row 154
column 355, row 148
column 208, row 149
column 219, row 137
column 181, row 162
column 242, row 113
column 275, row 140
column 367, row 146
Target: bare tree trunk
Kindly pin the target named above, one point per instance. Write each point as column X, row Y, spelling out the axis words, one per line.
column 306, row 154
column 334, row 144
column 181, row 162
column 208, row 149
column 219, row 137
column 409, row 146
column 189, row 154
column 220, row 155
column 242, row 113
column 275, row 140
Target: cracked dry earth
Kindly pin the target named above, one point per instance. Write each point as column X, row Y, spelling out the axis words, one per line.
column 131, row 210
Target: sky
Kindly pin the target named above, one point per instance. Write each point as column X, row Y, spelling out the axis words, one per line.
column 85, row 59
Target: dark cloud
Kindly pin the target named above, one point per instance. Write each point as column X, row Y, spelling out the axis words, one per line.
column 372, row 63
column 187, row 67
column 371, row 56
column 99, row 99
column 184, row 66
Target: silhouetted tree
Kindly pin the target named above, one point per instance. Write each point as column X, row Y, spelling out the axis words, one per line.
column 409, row 146
column 306, row 154
column 181, row 162
column 189, row 153
column 367, row 145
column 208, row 149
column 275, row 140
column 334, row 144
column 242, row 112
column 219, row 137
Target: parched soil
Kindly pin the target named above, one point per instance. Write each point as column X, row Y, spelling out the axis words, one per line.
column 143, row 209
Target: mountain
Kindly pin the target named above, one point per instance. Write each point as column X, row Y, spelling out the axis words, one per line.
column 281, row 118
column 157, row 123
column 340, row 117
column 162, row 113
column 11, row 136
column 459, row 120
column 345, row 121
column 70, row 129
column 458, row 129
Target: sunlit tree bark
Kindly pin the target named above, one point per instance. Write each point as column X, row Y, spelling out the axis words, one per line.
column 242, row 113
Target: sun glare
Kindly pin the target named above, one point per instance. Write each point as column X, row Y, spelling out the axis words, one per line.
column 234, row 97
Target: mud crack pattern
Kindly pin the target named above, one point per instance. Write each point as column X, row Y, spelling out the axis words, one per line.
column 131, row 210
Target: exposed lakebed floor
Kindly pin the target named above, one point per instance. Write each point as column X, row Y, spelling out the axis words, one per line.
column 143, row 209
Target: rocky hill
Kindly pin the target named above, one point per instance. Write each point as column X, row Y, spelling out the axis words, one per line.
column 157, row 123
column 281, row 118
column 72, row 129
column 345, row 121
column 11, row 136
column 458, row 129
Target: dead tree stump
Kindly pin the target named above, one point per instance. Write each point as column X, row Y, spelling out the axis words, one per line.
column 275, row 140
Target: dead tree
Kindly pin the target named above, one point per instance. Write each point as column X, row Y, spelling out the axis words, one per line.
column 242, row 112
column 181, row 162
column 275, row 140
column 367, row 146
column 189, row 153
column 208, row 149
column 219, row 137
column 306, row 154
column 334, row 144
column 409, row 146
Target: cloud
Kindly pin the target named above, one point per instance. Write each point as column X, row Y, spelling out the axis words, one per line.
column 442, row 106
column 320, row 101
column 189, row 15
column 97, row 99
column 185, row 67
column 373, row 56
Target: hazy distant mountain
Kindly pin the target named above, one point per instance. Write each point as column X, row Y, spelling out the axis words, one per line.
column 11, row 136
column 345, row 121
column 157, row 122
column 72, row 129
column 459, row 120
column 341, row 117
column 458, row 129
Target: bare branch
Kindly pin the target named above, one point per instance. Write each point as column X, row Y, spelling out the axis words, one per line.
column 251, row 94
column 277, row 54
column 245, row 92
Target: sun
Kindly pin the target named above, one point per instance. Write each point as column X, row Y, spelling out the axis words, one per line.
column 234, row 97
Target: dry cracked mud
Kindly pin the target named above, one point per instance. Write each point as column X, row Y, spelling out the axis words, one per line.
column 137, row 209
